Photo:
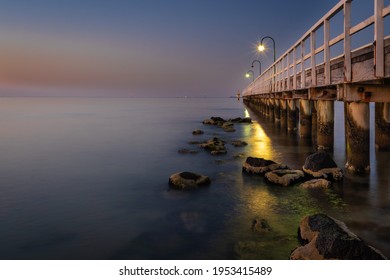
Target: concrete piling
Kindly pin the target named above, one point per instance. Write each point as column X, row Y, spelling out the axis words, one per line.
column 382, row 126
column 291, row 116
column 305, row 119
column 277, row 110
column 357, row 117
column 325, row 124
column 283, row 113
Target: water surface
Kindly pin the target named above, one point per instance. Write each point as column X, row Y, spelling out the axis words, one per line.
column 87, row 178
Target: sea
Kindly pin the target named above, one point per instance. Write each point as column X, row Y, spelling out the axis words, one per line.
column 87, row 178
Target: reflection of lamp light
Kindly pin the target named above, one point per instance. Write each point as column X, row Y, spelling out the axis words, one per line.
column 246, row 114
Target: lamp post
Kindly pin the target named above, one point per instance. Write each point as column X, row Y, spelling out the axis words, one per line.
column 253, row 75
column 259, row 65
column 262, row 48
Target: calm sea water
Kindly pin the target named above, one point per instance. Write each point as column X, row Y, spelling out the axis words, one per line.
column 87, row 178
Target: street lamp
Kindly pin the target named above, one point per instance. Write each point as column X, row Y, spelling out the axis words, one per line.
column 253, row 75
column 261, row 47
column 259, row 65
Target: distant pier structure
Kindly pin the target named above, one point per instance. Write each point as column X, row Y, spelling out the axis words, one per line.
column 298, row 90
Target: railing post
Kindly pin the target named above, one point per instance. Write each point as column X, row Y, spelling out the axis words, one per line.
column 303, row 77
column 327, row 51
column 347, row 42
column 294, row 69
column 313, row 58
column 379, row 39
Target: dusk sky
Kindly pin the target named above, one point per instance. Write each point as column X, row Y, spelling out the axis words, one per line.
column 144, row 48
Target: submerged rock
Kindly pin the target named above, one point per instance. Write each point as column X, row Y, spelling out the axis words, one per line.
column 188, row 180
column 260, row 166
column 260, row 225
column 316, row 183
column 215, row 146
column 197, row 132
column 284, row 177
column 321, row 165
column 239, row 143
column 323, row 237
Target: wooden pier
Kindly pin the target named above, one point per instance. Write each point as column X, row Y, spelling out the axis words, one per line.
column 296, row 87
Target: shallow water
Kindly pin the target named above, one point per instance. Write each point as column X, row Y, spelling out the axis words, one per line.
column 87, row 178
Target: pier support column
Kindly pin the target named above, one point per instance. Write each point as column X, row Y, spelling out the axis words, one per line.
column 283, row 113
column 291, row 116
column 382, row 126
column 277, row 111
column 357, row 115
column 325, row 124
column 271, row 109
column 305, row 119
column 313, row 107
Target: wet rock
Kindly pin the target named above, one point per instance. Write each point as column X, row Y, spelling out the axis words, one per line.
column 260, row 225
column 215, row 146
column 260, row 166
column 227, row 124
column 316, row 183
column 195, row 142
column 284, row 177
column 218, row 119
column 241, row 120
column 197, row 132
column 323, row 237
column 239, row 143
column 238, row 156
column 187, row 151
column 321, row 165
column 229, row 129
column 188, row 180
column 209, row 122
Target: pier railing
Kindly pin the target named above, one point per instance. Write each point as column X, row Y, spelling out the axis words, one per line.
column 365, row 64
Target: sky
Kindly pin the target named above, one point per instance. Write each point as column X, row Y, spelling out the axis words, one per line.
column 145, row 48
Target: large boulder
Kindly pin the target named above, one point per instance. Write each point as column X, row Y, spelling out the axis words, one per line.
column 321, row 165
column 260, row 166
column 188, row 180
column 323, row 237
column 215, row 146
column 284, row 177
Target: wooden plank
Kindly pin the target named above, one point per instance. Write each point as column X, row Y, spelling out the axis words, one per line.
column 313, row 58
column 337, row 39
column 347, row 42
column 327, row 51
column 364, row 24
column 386, row 11
column 379, row 39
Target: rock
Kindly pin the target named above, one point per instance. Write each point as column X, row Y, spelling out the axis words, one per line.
column 323, row 237
column 241, row 120
column 321, row 165
column 195, row 142
column 260, row 225
column 188, row 180
column 215, row 146
column 209, row 122
column 218, row 119
column 186, row 151
column 238, row 156
column 316, row 183
column 239, row 143
column 227, row 124
column 260, row 166
column 197, row 132
column 284, row 177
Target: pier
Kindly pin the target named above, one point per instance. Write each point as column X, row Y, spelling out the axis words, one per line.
column 298, row 92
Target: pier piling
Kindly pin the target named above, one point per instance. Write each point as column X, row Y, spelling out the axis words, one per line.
column 325, row 124
column 382, row 126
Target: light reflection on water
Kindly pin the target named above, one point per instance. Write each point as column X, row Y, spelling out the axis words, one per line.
column 87, row 179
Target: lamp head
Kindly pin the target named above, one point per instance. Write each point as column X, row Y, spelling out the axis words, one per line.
column 261, row 48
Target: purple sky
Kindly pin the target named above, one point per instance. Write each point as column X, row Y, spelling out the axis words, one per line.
column 146, row 47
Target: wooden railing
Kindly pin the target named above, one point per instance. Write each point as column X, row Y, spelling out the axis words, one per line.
column 288, row 72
